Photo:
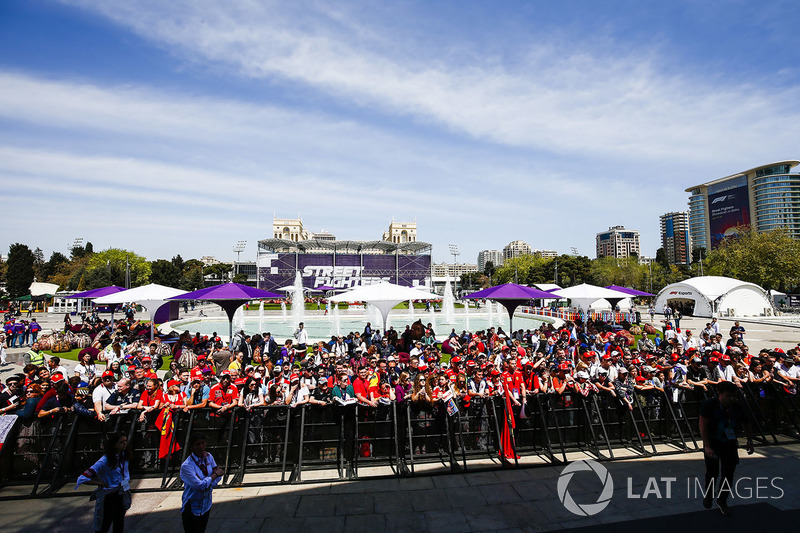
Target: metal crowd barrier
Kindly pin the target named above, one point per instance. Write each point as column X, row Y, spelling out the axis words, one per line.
column 342, row 440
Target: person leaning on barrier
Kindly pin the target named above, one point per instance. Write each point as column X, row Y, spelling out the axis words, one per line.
column 720, row 418
column 123, row 399
column 150, row 400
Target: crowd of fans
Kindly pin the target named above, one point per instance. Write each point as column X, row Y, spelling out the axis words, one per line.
column 371, row 368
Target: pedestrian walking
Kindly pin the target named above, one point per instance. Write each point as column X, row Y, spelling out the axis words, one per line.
column 112, row 476
column 200, row 475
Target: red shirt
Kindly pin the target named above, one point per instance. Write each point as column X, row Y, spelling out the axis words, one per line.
column 148, row 399
column 221, row 396
column 361, row 386
column 512, row 382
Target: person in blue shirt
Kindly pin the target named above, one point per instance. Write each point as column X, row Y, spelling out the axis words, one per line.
column 112, row 476
column 200, row 475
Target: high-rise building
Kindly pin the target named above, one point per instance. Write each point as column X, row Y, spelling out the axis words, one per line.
column 618, row 242
column 545, row 254
column 516, row 249
column 485, row 256
column 764, row 198
column 675, row 238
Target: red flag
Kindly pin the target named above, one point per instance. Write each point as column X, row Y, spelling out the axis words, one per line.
column 506, row 439
column 166, row 425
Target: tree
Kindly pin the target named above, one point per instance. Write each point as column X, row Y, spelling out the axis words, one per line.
column 240, row 278
column 192, row 278
column 51, row 267
column 661, row 258
column 108, row 268
column 165, row 272
column 19, row 270
column 699, row 254
column 767, row 259
column 522, row 268
column 219, row 271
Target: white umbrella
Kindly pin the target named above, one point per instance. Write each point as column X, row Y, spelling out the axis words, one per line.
column 384, row 296
column 151, row 296
column 290, row 288
column 584, row 295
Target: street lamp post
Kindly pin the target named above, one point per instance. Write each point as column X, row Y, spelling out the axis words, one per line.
column 455, row 253
column 238, row 248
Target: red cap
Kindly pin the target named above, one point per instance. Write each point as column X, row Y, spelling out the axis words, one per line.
column 495, row 372
column 605, row 357
column 146, row 358
column 779, row 350
column 423, row 367
column 713, row 359
column 225, row 373
column 294, row 377
column 455, row 359
column 172, row 382
column 240, row 382
column 636, row 361
column 471, row 364
column 563, row 366
column 201, row 357
column 726, row 358
column 107, row 374
column 56, row 377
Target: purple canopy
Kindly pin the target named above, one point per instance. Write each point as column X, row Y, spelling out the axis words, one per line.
column 96, row 293
column 323, row 288
column 230, row 296
column 511, row 296
column 626, row 290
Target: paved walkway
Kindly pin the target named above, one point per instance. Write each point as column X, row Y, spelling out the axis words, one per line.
column 498, row 500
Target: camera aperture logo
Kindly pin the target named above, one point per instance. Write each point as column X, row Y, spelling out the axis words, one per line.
column 586, row 509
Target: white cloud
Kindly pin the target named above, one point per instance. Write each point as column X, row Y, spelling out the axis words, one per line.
column 566, row 99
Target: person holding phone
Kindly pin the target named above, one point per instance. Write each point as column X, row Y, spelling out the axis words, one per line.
column 200, row 475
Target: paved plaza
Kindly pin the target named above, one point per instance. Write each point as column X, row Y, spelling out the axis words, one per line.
column 524, row 499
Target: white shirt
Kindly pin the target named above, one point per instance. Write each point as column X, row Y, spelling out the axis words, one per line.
column 301, row 335
column 101, row 394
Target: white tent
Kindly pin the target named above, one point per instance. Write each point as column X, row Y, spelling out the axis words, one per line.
column 151, row 296
column 384, row 296
column 585, row 296
column 38, row 288
column 547, row 286
column 716, row 296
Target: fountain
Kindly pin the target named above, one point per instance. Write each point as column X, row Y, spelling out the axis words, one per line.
column 490, row 313
column 466, row 314
column 432, row 317
column 328, row 311
column 238, row 319
column 261, row 316
column 335, row 315
column 298, row 301
column 498, row 308
column 448, row 305
column 411, row 311
column 283, row 311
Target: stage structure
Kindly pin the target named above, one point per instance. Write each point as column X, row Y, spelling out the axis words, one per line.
column 343, row 264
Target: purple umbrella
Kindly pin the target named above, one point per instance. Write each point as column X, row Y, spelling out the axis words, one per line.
column 230, row 296
column 511, row 296
column 626, row 290
column 96, row 293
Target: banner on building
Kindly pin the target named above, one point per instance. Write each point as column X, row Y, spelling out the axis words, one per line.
column 728, row 209
column 342, row 271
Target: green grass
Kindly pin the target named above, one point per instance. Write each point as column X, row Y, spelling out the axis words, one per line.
column 72, row 355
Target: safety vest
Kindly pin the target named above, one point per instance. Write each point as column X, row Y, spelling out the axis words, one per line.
column 37, row 358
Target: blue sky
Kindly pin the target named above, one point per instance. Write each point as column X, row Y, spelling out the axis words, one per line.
column 183, row 126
